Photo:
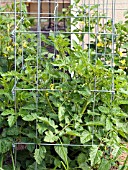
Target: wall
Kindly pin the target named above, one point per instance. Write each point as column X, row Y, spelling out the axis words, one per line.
column 120, row 7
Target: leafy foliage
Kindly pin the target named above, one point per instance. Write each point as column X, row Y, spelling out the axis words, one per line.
column 67, row 110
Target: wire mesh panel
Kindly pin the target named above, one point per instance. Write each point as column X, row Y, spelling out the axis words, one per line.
column 62, row 78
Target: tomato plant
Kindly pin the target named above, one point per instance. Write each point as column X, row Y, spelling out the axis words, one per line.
column 75, row 119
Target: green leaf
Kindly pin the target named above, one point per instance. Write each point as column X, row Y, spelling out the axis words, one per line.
column 85, row 93
column 85, row 137
column 92, row 113
column 104, row 109
column 57, row 163
column 11, row 120
column 29, row 117
column 124, row 148
column 121, row 114
column 50, row 55
column 41, row 166
column 39, row 154
column 108, row 124
column 105, row 165
column 125, row 45
column 30, row 148
column 29, row 107
column 52, row 123
column 115, row 152
column 121, row 90
column 122, row 133
column 72, row 133
column 94, row 123
column 50, row 137
column 84, row 166
column 61, row 113
column 2, row 92
column 8, row 112
column 13, row 131
column 5, row 145
column 95, row 155
column 81, row 159
column 41, row 128
column 62, row 152
column 44, row 119
column 48, row 122
column 123, row 101
column 31, row 135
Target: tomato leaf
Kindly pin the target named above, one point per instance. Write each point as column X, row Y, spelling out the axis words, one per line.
column 11, row 120
column 8, row 112
column 39, row 154
column 105, row 164
column 95, row 155
column 85, row 137
column 50, row 137
column 61, row 113
column 62, row 152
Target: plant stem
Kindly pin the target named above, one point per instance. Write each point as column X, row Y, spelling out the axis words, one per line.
column 1, row 161
column 13, row 164
column 50, row 104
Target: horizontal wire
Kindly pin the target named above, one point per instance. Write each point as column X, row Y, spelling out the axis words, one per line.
column 86, row 4
column 106, row 91
column 59, row 31
column 91, row 4
column 55, row 17
column 32, row 13
column 8, row 12
column 44, row 1
column 51, row 144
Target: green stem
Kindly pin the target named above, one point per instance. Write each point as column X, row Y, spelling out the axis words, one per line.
column 84, row 107
column 1, row 161
column 13, row 164
column 64, row 165
column 65, row 126
column 49, row 104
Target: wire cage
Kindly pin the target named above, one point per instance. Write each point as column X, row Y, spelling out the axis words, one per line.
column 86, row 25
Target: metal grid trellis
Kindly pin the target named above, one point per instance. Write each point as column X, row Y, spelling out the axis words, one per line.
column 51, row 18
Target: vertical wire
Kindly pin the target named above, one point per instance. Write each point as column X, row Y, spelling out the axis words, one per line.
column 75, row 13
column 94, row 94
column 15, row 50
column 49, row 6
column 41, row 9
column 55, row 16
column 105, row 11
column 37, row 63
column 89, row 30
column 103, row 22
column 55, row 24
column 21, row 15
column 113, row 39
column 63, row 13
column 112, row 56
column 84, row 17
